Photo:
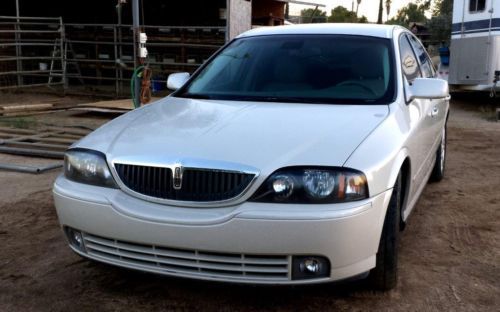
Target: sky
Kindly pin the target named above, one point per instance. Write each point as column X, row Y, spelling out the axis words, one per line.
column 369, row 8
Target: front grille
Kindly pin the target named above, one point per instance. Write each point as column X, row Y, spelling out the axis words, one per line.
column 201, row 185
column 188, row 263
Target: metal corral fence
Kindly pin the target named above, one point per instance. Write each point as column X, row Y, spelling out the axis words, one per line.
column 47, row 52
column 30, row 52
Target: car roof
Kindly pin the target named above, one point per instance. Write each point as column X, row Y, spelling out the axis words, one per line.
column 371, row 30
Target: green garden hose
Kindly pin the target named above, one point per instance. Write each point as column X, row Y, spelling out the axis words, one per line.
column 137, row 74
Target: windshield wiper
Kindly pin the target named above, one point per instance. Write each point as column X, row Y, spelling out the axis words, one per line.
column 195, row 96
column 290, row 99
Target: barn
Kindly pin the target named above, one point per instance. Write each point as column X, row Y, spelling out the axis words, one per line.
column 88, row 46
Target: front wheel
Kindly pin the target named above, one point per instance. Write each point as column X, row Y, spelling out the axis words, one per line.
column 384, row 276
column 438, row 170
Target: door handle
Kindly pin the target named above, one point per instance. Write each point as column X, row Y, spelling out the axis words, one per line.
column 435, row 111
column 448, row 98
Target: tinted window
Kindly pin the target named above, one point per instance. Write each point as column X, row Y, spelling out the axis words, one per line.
column 409, row 62
column 299, row 68
column 477, row 5
column 425, row 62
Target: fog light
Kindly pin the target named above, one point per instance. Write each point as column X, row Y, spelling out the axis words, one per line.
column 75, row 238
column 308, row 267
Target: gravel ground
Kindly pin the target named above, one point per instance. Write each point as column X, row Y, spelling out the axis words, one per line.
column 449, row 258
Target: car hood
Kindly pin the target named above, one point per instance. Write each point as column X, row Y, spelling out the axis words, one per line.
column 262, row 136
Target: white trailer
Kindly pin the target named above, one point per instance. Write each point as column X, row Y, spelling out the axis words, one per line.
column 475, row 46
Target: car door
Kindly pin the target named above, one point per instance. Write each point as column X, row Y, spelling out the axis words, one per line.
column 418, row 113
column 438, row 107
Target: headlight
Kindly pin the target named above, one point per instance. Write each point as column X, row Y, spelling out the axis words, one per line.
column 89, row 167
column 313, row 185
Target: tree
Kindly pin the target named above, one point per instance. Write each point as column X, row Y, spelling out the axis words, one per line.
column 313, row 16
column 380, row 11
column 388, row 7
column 342, row 15
column 442, row 7
column 413, row 12
column 440, row 23
column 357, row 7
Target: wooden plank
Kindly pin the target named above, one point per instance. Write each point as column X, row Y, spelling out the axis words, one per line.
column 25, row 107
column 99, row 110
column 125, row 104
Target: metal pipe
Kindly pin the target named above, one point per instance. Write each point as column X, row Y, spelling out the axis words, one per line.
column 136, row 22
column 135, row 26
column 32, row 18
column 29, row 72
column 63, row 48
column 31, row 152
column 29, row 31
column 9, row 59
column 30, row 86
column 19, row 62
column 120, row 48
column 29, row 169
column 117, row 82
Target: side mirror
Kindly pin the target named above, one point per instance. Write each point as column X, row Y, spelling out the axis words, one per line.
column 177, row 80
column 428, row 88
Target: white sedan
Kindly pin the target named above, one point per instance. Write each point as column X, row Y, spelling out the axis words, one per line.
column 293, row 156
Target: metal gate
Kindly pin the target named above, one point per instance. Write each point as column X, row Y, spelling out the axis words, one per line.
column 32, row 52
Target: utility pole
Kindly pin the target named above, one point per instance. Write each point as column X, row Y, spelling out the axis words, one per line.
column 137, row 63
column 19, row 65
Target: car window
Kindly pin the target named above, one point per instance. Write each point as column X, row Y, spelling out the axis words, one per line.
column 299, row 68
column 409, row 62
column 423, row 57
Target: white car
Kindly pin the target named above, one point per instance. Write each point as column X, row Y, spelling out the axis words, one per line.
column 293, row 156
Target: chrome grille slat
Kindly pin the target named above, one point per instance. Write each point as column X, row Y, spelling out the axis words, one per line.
column 198, row 185
column 181, row 261
column 198, row 273
column 160, row 251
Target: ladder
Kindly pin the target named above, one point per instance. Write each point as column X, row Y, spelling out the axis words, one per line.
column 61, row 57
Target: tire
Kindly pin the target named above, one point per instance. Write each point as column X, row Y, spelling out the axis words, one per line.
column 385, row 275
column 439, row 167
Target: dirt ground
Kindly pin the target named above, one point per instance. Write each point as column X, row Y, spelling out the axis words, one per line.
column 449, row 257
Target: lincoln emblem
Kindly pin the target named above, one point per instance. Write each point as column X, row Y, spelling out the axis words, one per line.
column 177, row 178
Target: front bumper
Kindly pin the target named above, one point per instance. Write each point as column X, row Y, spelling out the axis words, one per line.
column 247, row 243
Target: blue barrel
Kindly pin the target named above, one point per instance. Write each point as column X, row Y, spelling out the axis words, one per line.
column 444, row 54
column 157, row 85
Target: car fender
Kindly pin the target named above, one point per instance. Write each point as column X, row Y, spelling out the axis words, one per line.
column 381, row 155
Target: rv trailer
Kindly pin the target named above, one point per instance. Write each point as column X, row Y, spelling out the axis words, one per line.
column 474, row 62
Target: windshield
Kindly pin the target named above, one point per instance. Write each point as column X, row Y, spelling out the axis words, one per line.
column 299, row 68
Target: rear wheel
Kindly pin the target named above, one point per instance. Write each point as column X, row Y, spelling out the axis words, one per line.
column 438, row 170
column 384, row 276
